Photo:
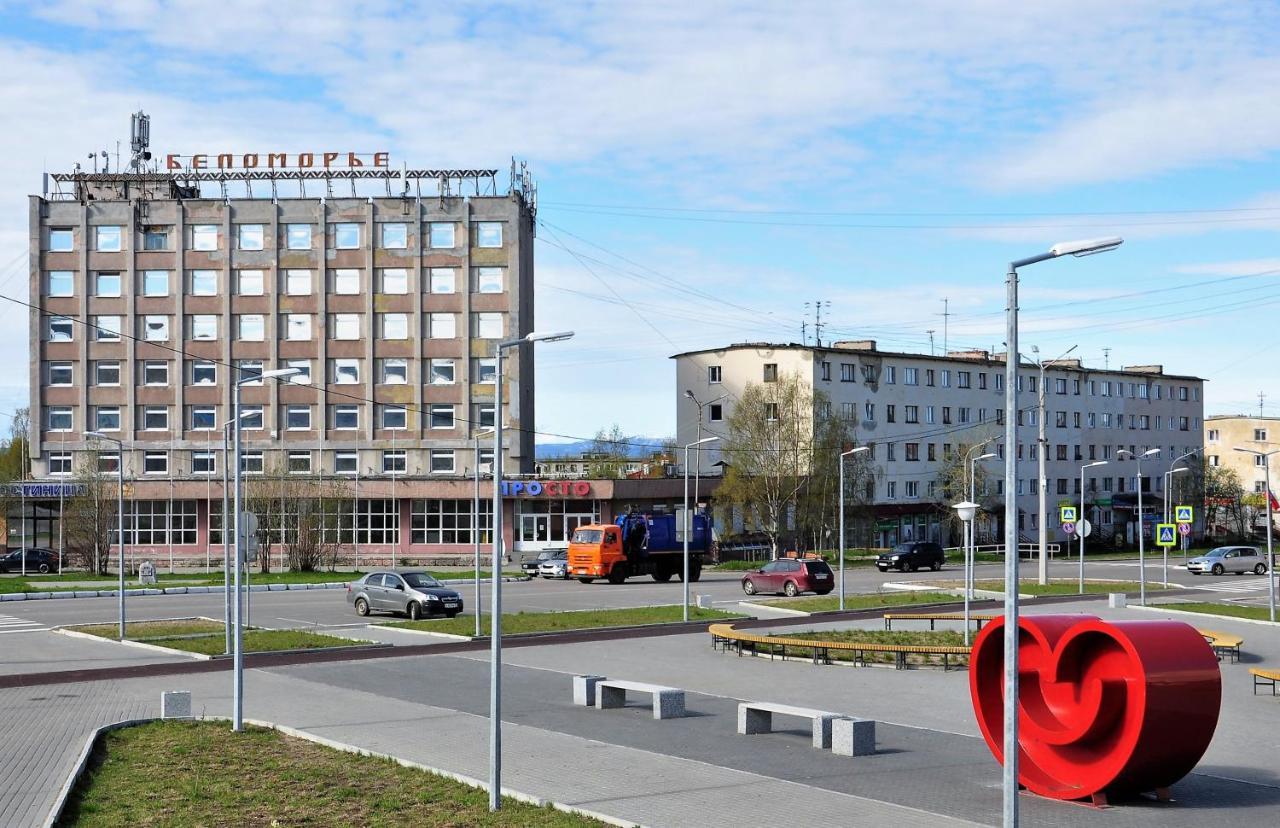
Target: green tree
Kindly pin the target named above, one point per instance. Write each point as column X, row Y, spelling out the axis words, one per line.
column 1225, row 499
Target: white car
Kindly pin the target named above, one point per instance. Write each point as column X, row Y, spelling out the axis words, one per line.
column 556, row 566
column 1223, row 559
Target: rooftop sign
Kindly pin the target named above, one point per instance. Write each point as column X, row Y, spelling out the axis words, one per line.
column 277, row 161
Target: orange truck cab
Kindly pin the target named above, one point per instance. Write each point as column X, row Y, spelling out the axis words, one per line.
column 636, row 545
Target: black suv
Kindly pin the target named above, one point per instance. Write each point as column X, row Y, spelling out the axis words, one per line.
column 39, row 560
column 912, row 556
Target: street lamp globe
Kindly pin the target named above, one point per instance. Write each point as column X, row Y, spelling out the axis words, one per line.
column 966, row 510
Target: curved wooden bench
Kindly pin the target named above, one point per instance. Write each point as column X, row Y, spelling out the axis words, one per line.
column 1227, row 644
column 1262, row 678
column 932, row 617
column 725, row 636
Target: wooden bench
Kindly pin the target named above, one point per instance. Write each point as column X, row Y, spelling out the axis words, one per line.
column 1262, row 678
column 668, row 702
column 932, row 617
column 724, row 636
column 1223, row 643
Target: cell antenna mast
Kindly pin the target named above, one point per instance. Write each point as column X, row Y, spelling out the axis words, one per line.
column 1262, row 398
column 817, row 321
column 946, row 317
column 1106, row 358
column 931, row 351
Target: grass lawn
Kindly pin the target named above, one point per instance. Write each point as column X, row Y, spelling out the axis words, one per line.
column 941, row 638
column 150, row 630
column 872, row 600
column 1068, row 586
column 200, row 773
column 523, row 622
column 1228, row 610
column 208, row 638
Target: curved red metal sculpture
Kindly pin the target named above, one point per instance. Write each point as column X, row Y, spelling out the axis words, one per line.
column 1104, row 708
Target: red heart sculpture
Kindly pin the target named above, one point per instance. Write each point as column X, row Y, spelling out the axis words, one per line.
column 1120, row 707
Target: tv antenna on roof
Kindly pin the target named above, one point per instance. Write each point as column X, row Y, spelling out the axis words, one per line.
column 1106, row 359
column 931, row 351
column 818, row 304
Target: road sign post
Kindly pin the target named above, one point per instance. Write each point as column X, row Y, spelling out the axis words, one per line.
column 1069, row 528
column 1166, row 534
column 1184, row 514
column 1068, row 514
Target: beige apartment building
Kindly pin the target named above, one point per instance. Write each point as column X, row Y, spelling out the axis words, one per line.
column 914, row 410
column 1224, row 433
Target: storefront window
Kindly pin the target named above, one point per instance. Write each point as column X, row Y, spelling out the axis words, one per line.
column 438, row 521
column 551, row 522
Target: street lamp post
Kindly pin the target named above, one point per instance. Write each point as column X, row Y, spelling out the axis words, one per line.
column 1271, row 575
column 852, row 451
column 475, row 523
column 688, row 524
column 966, row 510
column 1142, row 547
column 971, row 541
column 1083, row 518
column 226, row 535
column 119, row 513
column 697, row 469
column 1010, row 742
column 495, row 611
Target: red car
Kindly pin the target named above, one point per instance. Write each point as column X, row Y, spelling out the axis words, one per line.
column 790, row 577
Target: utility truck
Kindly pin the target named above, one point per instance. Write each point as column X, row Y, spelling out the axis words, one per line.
column 638, row 544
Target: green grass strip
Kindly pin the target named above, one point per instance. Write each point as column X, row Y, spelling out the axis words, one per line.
column 874, row 600
column 525, row 622
column 1226, row 610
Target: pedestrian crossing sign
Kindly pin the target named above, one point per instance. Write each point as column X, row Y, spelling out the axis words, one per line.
column 1067, row 513
column 1166, row 534
column 1184, row 514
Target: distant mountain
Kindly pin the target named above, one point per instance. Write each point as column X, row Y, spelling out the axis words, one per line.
column 640, row 447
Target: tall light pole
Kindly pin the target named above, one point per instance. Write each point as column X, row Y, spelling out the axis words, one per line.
column 1168, row 483
column 1084, row 517
column 970, row 551
column 966, row 509
column 1010, row 745
column 688, row 524
column 1042, row 459
column 1142, row 548
column 495, row 611
column 844, row 454
column 475, row 522
column 226, row 536
column 237, row 638
column 697, row 469
column 119, row 512
column 1271, row 575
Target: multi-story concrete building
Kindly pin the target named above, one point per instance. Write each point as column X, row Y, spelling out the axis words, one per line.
column 916, row 410
column 1224, row 433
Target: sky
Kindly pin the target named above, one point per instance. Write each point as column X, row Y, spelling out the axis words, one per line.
column 706, row 169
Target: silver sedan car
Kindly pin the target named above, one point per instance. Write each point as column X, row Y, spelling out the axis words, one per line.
column 1223, row 559
column 556, row 566
column 414, row 594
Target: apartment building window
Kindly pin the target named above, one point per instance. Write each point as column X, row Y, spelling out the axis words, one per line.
column 204, row 372
column 345, row 326
column 155, row 462
column 299, row 462
column 58, row 418
column 946, row 377
column 1213, row 435
column 713, row 374
column 395, row 325
column 155, row 237
column 60, row 373
column 771, row 412
column 891, row 451
column 346, row 236
column 106, row 283
column 298, row 236
column 204, row 418
column 396, row 417
column 204, row 237
column 249, row 282
column 1184, row 424
column 482, row 416
column 488, row 279
column 61, row 240
column 109, row 463
column 204, row 282
column 963, row 413
column 869, row 411
column 933, row 452
column 929, row 377
column 442, row 234
column 108, row 239
column 1060, row 419
column 251, row 327
column 869, row 373
column 826, row 371
column 155, row 373
column 155, row 418
column 929, row 417
column 346, row 462
column 443, row 280
column 442, row 372
column 824, row 410
column 1259, row 435
column 202, row 326
column 1182, row 393
column 251, row 417
column 297, row 326
column 891, row 490
column 1060, row 386
column 395, row 371
column 443, row 326
column 1062, row 452
column 848, row 411
column 251, row 462
column 106, row 372
column 106, row 418
column 249, row 236
column 486, row 325
column 395, row 236
column 155, row 328
column 715, row 412
column 346, row 281
column 771, row 372
column 297, row 417
column 911, row 489
column 1062, row 485
column 891, row 413
column 890, row 375
column 912, row 413
column 303, row 367
column 982, row 415
column 486, row 371
column 848, row 372
column 982, row 380
column 60, row 283
column 346, row 372
column 395, row 281
column 60, row 463
column 440, row 416
column 297, row 282
column 964, row 379
column 999, row 382
column 346, row 417
column 249, row 371
column 204, row 462
column 910, row 376
column 394, row 461
column 488, row 234
column 912, row 451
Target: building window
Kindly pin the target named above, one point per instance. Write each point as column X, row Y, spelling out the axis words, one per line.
column 442, row 235
column 442, row 461
column 155, row 462
column 155, row 418
column 155, row 328
column 106, row 283
column 297, row 282
column 299, row 462
column 251, row 417
column 251, row 462
column 395, row 371
column 395, row 417
column 346, row 417
column 912, row 413
column 109, row 463
column 848, row 372
column 250, row 236
column 155, row 237
column 891, row 413
column 204, row 283
column 441, row 416
column 346, row 236
column 346, row 326
column 449, row 522
column 109, row 239
column 346, row 281
column 486, row 325
column 826, row 371
column 249, row 282
column 58, row 417
column 488, row 234
column 155, row 373
column 297, row 326
column 890, row 375
column 204, row 462
column 771, row 372
column 297, row 417
column 891, row 490
column 204, row 237
column 395, row 325
column 61, row 240
column 346, row 372
column 204, row 418
column 771, row 412
column 1260, row 435
column 443, row 326
column 912, row 451
column 483, row 416
column 964, row 379
column 394, row 461
column 929, row 415
column 395, row 236
column 203, row 326
column 395, row 280
column 869, row 412
column 251, row 327
column 298, row 236
column 911, row 488
column 60, row 373
column 488, row 279
column 486, row 371
column 442, row 372
column 715, row 412
column 1213, row 435
column 106, row 418
column 106, row 372
column 303, row 367
column 346, row 462
column 982, row 380
column 249, row 371
column 910, row 376
column 60, row 283
column 60, row 463
column 443, row 280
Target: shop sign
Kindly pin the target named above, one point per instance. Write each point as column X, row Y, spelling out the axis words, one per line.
column 545, row 488
column 277, row 160
column 43, row 489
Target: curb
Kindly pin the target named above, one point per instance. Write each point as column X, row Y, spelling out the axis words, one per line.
column 446, row 636
column 141, row 645
column 1167, row 608
column 767, row 608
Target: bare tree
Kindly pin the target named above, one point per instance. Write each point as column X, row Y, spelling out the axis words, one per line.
column 298, row 517
column 1225, row 500
column 608, row 454
column 90, row 516
column 953, row 484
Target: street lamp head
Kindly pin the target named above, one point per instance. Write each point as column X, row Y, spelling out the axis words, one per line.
column 986, row 456
column 1096, row 463
column 1179, row 471
column 1086, row 247
column 966, row 510
column 689, row 394
column 100, row 436
column 855, row 450
column 703, row 440
column 556, row 336
column 1150, row 452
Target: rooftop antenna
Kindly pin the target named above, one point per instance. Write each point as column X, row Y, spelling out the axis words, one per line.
column 931, row 351
column 1261, row 399
column 804, row 332
column 817, row 319
column 1106, row 359
column 946, row 317
column 139, row 139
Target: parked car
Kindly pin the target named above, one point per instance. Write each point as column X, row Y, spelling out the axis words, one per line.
column 913, row 556
column 39, row 559
column 790, row 577
column 1223, row 559
column 414, row 594
column 530, row 565
column 556, row 566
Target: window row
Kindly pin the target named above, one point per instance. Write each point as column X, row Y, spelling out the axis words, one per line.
column 344, row 462
column 109, row 238
column 293, row 282
column 390, row 371
column 344, row 417
column 252, row 327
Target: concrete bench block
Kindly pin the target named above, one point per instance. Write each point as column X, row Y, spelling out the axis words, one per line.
column 175, row 704
column 752, row 721
column 853, row 737
column 668, row 704
column 584, row 690
column 1117, row 600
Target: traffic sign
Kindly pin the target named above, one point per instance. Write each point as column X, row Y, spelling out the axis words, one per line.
column 1184, row 529
column 1084, row 528
column 1184, row 514
column 1069, row 527
column 1166, row 534
column 1068, row 514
